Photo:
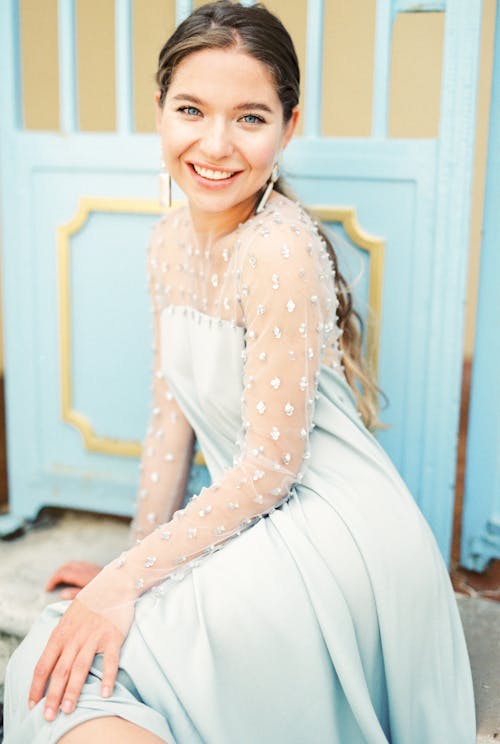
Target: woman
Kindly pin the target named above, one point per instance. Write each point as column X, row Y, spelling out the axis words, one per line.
column 328, row 615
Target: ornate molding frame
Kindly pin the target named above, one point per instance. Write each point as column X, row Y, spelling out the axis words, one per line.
column 375, row 247
column 346, row 216
column 86, row 206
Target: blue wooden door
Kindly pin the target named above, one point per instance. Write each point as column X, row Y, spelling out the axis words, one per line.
column 77, row 340
column 481, row 516
column 76, row 221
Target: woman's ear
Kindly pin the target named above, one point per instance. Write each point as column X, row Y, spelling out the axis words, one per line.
column 290, row 127
column 158, row 110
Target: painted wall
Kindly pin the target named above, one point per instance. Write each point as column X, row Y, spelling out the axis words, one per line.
column 347, row 82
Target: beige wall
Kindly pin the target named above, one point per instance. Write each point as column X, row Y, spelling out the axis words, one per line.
column 483, row 111
column 347, row 83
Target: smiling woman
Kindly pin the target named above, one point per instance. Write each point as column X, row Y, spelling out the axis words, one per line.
column 301, row 597
column 218, row 147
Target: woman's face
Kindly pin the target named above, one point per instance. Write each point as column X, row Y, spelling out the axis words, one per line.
column 222, row 128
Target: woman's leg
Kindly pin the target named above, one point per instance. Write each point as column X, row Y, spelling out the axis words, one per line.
column 109, row 730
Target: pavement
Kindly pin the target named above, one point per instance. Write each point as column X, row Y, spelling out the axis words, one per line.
column 28, row 560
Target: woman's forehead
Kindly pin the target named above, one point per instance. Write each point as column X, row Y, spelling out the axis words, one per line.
column 227, row 73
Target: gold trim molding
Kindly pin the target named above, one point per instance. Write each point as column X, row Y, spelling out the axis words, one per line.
column 375, row 247
column 87, row 206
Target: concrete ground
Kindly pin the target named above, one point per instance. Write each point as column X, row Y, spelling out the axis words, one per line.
column 26, row 563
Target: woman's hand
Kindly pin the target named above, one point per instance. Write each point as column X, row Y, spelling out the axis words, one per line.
column 69, row 654
column 77, row 573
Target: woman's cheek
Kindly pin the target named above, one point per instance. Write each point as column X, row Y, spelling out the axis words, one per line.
column 174, row 144
column 263, row 155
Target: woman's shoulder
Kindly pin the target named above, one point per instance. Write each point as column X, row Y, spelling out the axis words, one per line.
column 164, row 237
column 169, row 226
column 282, row 227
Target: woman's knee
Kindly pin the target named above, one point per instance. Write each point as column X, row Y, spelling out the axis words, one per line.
column 108, row 730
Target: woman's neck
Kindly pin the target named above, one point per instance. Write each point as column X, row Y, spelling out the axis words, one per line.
column 210, row 226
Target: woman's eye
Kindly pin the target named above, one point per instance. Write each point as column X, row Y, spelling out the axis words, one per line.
column 252, row 119
column 189, row 110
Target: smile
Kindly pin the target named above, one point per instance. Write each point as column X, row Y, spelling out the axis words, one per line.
column 212, row 175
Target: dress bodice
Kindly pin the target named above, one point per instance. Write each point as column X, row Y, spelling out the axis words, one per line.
column 247, row 357
column 203, row 365
column 202, row 360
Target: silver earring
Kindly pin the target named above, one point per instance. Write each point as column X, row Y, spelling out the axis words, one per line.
column 165, row 186
column 270, row 184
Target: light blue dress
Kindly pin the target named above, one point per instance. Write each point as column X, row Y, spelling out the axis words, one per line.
column 330, row 620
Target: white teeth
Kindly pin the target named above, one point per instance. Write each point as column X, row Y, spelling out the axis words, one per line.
column 212, row 174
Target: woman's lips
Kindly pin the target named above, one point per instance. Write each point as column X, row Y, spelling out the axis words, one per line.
column 213, row 174
column 207, row 176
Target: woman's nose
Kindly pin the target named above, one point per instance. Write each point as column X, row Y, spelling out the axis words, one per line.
column 216, row 141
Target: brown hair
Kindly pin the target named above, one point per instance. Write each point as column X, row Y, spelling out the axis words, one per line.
column 259, row 33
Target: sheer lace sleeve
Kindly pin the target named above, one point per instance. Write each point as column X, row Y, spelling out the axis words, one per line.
column 168, row 446
column 286, row 293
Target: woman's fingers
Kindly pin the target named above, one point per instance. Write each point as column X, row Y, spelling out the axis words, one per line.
column 58, row 682
column 68, row 657
column 77, row 677
column 67, row 681
column 110, row 667
column 69, row 593
column 43, row 669
column 79, row 573
column 65, row 574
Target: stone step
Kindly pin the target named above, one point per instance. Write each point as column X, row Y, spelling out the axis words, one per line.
column 28, row 561
column 481, row 621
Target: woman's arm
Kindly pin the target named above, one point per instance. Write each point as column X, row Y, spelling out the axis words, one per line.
column 166, row 457
column 167, row 450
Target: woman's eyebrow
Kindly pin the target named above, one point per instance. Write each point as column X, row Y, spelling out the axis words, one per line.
column 240, row 107
column 255, row 106
column 187, row 97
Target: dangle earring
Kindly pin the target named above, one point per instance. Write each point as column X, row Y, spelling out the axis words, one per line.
column 165, row 183
column 270, row 184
